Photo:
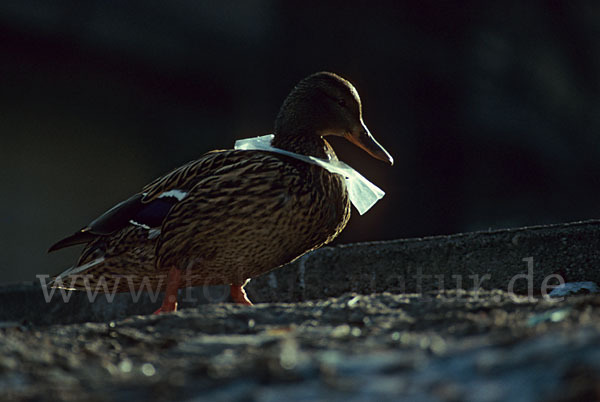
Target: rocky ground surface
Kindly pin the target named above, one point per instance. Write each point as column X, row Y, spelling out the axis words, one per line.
column 449, row 344
column 444, row 346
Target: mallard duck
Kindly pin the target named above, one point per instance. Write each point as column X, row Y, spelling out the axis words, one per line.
column 232, row 214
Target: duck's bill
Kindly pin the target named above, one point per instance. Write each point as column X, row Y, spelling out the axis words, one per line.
column 362, row 138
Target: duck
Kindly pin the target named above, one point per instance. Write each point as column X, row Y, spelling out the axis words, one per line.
column 232, row 214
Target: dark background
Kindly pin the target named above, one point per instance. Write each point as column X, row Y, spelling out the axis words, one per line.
column 490, row 109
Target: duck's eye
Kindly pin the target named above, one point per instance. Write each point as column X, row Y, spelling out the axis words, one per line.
column 341, row 102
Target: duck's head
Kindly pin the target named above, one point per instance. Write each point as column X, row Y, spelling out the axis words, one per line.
column 326, row 104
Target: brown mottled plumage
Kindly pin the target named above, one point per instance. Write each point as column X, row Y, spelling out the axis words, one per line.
column 230, row 215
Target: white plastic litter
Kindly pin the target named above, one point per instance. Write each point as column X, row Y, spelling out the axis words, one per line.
column 570, row 288
column 363, row 194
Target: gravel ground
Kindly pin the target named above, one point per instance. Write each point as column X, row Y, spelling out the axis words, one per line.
column 442, row 346
column 361, row 322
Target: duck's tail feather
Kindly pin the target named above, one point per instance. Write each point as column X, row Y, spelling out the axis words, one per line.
column 57, row 280
column 83, row 236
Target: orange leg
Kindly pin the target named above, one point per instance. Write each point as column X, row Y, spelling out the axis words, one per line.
column 170, row 301
column 238, row 294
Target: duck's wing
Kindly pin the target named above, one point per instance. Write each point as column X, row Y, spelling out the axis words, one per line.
column 180, row 181
column 245, row 186
column 150, row 207
column 132, row 211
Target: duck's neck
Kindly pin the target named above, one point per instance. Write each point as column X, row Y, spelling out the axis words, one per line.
column 297, row 131
column 304, row 144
